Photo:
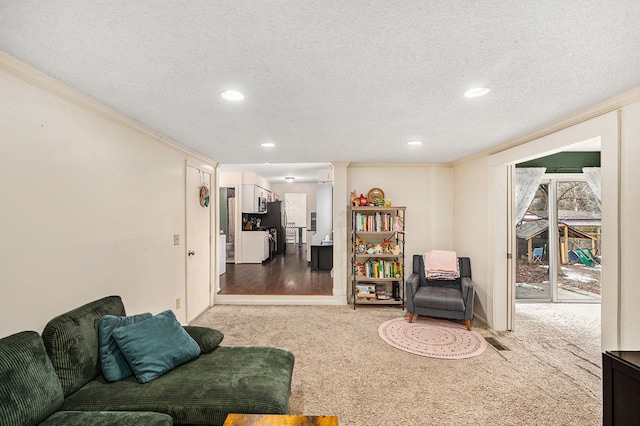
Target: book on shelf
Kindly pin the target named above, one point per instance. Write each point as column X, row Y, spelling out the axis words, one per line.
column 381, row 268
column 366, row 291
column 381, row 292
column 374, row 222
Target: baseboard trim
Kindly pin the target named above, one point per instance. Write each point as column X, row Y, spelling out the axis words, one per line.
column 242, row 299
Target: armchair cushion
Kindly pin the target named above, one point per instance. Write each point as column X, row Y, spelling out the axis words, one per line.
column 449, row 299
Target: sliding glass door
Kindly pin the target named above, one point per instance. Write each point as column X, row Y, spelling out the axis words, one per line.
column 532, row 241
column 558, row 244
column 579, row 257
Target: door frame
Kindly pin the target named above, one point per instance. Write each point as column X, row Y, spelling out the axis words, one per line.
column 605, row 126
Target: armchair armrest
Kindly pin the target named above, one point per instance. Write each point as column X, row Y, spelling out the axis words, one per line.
column 468, row 293
column 413, row 282
column 467, row 284
column 207, row 338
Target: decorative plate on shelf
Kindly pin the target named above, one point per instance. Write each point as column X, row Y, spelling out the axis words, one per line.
column 375, row 193
column 361, row 246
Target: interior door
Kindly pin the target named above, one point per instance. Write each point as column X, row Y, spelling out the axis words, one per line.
column 198, row 242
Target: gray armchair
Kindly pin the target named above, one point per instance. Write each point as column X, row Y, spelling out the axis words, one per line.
column 445, row 299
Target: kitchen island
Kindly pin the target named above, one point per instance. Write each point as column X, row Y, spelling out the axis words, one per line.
column 255, row 246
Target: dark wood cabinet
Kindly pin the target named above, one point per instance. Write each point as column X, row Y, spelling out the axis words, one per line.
column 322, row 257
column 621, row 388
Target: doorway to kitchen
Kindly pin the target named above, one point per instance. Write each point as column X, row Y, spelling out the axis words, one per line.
column 288, row 271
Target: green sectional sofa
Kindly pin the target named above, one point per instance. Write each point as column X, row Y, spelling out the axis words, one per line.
column 56, row 378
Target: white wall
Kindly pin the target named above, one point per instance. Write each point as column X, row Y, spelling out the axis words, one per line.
column 427, row 192
column 470, row 233
column 629, row 312
column 90, row 204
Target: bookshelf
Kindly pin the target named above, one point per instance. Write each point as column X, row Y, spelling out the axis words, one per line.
column 377, row 255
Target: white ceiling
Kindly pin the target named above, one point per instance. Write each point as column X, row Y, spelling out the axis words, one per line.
column 276, row 172
column 333, row 81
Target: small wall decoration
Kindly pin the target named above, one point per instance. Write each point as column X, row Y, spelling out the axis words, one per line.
column 204, row 195
column 204, row 190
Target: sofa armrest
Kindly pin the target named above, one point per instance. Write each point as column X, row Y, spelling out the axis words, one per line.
column 207, row 338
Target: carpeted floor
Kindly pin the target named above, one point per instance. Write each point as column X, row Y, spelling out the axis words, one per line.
column 549, row 376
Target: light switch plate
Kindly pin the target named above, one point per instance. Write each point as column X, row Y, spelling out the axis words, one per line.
column 176, row 239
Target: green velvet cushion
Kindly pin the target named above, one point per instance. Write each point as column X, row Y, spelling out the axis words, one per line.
column 207, row 338
column 71, row 340
column 107, row 418
column 203, row 391
column 155, row 346
column 114, row 366
column 29, row 388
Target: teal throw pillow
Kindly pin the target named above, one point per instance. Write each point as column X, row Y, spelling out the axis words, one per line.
column 114, row 366
column 155, row 346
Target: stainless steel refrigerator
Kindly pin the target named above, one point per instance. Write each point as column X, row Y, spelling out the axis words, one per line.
column 276, row 217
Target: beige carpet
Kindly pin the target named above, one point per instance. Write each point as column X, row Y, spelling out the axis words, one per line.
column 344, row 368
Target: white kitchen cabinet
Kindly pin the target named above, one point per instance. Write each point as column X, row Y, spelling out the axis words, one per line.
column 251, row 195
column 255, row 246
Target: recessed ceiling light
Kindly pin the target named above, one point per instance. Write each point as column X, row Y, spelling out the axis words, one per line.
column 289, row 178
column 414, row 143
column 268, row 144
column 476, row 91
column 232, row 95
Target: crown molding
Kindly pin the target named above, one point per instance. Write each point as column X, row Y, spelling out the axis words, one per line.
column 38, row 79
column 612, row 104
column 395, row 165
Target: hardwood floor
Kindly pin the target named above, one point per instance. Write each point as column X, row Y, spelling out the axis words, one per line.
column 288, row 274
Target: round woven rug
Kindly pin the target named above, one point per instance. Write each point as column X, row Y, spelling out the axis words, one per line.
column 432, row 338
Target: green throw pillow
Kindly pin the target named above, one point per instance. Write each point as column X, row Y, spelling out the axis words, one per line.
column 155, row 346
column 208, row 338
column 114, row 366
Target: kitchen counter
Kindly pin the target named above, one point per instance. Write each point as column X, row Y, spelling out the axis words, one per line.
column 322, row 256
column 255, row 246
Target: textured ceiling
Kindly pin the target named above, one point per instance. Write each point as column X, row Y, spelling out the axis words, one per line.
column 330, row 81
